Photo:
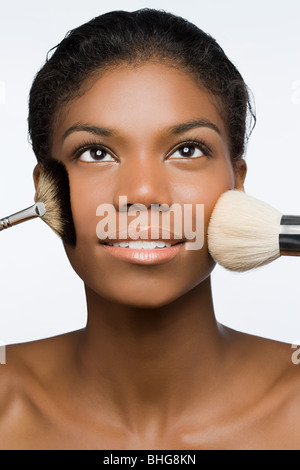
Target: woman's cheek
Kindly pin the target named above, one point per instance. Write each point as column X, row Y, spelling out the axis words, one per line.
column 204, row 189
column 84, row 195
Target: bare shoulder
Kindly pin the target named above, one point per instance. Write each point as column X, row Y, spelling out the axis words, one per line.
column 38, row 358
column 278, row 364
column 278, row 361
column 291, row 384
column 288, row 409
column 28, row 370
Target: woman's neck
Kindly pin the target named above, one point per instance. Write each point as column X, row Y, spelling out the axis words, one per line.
column 152, row 362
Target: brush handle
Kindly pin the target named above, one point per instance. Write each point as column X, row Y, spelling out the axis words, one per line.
column 289, row 235
column 37, row 210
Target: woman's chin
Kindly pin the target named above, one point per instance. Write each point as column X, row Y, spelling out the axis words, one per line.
column 146, row 287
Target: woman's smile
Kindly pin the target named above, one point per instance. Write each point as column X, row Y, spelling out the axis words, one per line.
column 144, row 252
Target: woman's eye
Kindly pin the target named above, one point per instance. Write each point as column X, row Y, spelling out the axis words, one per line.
column 187, row 151
column 95, row 155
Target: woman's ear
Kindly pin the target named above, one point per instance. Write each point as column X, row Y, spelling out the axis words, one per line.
column 36, row 175
column 240, row 171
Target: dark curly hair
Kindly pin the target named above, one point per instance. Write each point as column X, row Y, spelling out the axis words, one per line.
column 134, row 38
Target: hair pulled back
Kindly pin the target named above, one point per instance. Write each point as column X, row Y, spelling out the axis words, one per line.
column 135, row 38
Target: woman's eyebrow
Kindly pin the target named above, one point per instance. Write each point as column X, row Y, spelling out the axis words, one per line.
column 101, row 131
column 173, row 130
column 187, row 126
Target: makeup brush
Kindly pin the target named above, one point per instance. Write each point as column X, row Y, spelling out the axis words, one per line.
column 245, row 233
column 52, row 203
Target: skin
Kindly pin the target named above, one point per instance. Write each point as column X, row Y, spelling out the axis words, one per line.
column 152, row 369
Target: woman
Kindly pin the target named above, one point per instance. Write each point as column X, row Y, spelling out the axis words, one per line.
column 145, row 105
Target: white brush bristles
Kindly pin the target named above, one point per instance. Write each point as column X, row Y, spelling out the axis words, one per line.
column 243, row 232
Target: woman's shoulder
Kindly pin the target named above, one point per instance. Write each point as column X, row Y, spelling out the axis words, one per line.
column 265, row 401
column 274, row 359
column 41, row 353
column 275, row 366
column 26, row 372
column 285, row 393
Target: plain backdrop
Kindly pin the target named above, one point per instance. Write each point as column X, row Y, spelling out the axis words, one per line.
column 40, row 294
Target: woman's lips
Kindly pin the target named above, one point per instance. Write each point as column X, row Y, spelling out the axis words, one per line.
column 144, row 256
column 148, row 254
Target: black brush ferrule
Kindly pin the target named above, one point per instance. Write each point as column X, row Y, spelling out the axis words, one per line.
column 289, row 235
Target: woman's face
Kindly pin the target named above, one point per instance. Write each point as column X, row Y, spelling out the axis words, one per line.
column 132, row 134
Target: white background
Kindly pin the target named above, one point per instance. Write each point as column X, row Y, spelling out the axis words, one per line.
column 40, row 294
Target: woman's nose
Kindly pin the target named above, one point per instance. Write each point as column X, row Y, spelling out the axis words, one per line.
column 143, row 181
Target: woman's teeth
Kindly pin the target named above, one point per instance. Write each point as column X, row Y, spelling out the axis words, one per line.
column 141, row 245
